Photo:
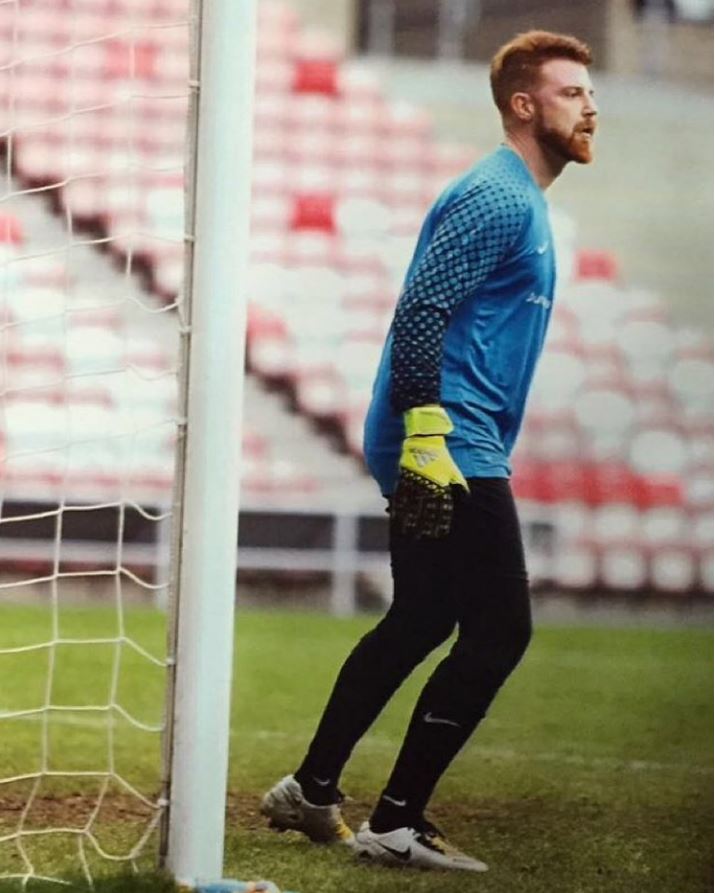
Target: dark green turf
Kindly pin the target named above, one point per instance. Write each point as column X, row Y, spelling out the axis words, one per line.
column 591, row 773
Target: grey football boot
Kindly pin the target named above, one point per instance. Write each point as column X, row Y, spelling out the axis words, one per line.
column 286, row 809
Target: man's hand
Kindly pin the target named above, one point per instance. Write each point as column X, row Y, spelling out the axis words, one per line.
column 423, row 501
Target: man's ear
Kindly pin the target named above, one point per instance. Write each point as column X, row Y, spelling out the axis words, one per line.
column 522, row 107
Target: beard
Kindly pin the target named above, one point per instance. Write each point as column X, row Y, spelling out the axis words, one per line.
column 573, row 146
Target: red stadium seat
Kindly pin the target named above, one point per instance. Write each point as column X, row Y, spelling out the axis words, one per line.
column 11, row 230
column 611, row 482
column 125, row 58
column 660, row 490
column 316, row 76
column 591, row 264
column 314, row 212
column 564, row 481
column 527, row 480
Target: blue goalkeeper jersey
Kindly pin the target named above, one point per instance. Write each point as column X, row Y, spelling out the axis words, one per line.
column 471, row 320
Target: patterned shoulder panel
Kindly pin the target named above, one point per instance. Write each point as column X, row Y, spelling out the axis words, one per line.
column 478, row 226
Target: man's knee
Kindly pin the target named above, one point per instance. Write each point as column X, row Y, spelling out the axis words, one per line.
column 522, row 628
column 404, row 632
column 493, row 655
column 415, row 631
column 512, row 640
column 426, row 632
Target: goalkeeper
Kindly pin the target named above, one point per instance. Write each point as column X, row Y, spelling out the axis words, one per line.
column 447, row 404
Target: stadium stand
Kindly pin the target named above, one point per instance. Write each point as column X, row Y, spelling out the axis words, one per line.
column 616, row 452
column 82, row 361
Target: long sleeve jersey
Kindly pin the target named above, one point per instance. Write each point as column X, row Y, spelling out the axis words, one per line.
column 470, row 322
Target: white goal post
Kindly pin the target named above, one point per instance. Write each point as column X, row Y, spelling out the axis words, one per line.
column 93, row 159
column 208, row 460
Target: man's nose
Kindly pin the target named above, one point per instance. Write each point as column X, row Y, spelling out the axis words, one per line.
column 591, row 107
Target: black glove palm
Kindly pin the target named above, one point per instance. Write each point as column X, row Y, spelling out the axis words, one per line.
column 423, row 502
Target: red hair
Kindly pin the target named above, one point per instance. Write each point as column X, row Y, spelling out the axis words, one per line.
column 515, row 67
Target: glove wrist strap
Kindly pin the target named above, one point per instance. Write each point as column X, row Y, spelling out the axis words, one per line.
column 427, row 420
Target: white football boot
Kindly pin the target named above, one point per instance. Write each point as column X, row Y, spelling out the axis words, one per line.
column 287, row 810
column 423, row 847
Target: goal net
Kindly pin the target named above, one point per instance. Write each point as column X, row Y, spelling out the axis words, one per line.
column 93, row 111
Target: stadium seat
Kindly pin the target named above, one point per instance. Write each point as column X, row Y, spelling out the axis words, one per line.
column 664, row 524
column 563, row 481
column 359, row 84
column 700, row 446
column 590, row 264
column 658, row 451
column 270, row 352
column 575, row 565
column 11, row 230
column 623, row 566
column 316, row 76
column 445, row 160
column 320, row 393
column 612, row 482
column 313, row 212
column 698, row 488
column 559, row 378
column 353, row 429
column 605, row 417
column 658, row 490
column 614, row 522
column 705, row 575
column 130, row 59
column 700, row 529
column 674, row 569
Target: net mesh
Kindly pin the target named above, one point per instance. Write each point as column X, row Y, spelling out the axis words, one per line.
column 93, row 102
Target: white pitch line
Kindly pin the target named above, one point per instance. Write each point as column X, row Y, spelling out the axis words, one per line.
column 593, row 762
column 509, row 754
column 373, row 742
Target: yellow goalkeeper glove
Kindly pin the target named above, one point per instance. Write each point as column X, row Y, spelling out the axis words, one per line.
column 423, row 501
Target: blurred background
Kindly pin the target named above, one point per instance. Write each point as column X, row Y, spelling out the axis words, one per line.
column 365, row 109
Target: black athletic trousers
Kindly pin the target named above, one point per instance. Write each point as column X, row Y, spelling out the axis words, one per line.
column 475, row 578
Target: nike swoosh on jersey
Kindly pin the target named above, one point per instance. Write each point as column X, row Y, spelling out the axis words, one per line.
column 542, row 249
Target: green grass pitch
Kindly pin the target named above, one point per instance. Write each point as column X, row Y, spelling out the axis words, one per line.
column 591, row 773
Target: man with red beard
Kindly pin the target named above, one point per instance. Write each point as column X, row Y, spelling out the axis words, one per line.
column 446, row 409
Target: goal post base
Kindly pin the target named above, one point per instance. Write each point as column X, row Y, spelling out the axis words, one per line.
column 228, row 885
